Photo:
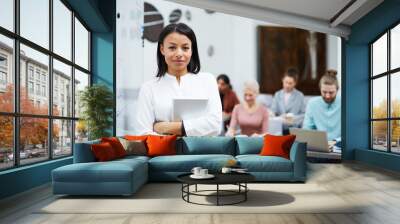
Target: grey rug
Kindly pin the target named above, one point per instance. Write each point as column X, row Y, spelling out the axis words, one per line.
column 166, row 198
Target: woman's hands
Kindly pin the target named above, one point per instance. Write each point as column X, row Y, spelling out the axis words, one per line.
column 169, row 128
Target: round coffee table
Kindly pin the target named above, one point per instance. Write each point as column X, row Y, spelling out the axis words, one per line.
column 238, row 179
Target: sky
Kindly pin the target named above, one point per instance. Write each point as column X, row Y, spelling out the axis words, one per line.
column 34, row 26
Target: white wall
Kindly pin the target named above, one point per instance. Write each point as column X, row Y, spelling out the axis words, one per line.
column 129, row 60
column 235, row 49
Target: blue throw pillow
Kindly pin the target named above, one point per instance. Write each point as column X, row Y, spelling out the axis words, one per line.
column 249, row 145
column 207, row 145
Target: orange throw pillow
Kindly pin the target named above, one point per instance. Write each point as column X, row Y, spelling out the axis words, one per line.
column 116, row 145
column 103, row 152
column 161, row 145
column 277, row 145
column 136, row 137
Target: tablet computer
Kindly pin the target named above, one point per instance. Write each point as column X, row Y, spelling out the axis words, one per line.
column 188, row 108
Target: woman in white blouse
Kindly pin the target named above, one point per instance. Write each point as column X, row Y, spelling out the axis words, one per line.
column 178, row 77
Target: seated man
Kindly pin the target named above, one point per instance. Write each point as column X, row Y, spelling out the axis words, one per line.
column 288, row 102
column 323, row 112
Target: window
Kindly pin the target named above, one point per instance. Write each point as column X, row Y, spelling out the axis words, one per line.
column 6, row 73
column 3, row 61
column 62, row 75
column 44, row 91
column 3, row 78
column 37, row 75
column 30, row 72
column 7, row 14
column 3, row 72
column 62, row 140
column 30, row 87
column 62, row 29
column 38, row 89
column 6, row 142
column 54, row 126
column 81, row 45
column 35, row 21
column 385, row 97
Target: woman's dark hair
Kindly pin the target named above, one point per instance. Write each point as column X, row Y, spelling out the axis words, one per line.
column 181, row 28
column 292, row 73
column 226, row 80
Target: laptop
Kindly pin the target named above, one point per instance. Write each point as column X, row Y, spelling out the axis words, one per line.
column 316, row 140
column 188, row 108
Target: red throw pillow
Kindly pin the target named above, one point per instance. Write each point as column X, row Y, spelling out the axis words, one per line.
column 161, row 145
column 116, row 145
column 103, row 152
column 277, row 145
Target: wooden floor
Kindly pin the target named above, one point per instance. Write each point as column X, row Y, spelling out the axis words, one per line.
column 378, row 189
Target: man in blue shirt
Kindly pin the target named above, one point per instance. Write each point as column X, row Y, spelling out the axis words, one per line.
column 323, row 112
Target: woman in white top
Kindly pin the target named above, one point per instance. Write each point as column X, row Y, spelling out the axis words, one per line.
column 177, row 77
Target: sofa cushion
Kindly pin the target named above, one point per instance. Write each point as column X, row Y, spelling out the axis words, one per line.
column 83, row 152
column 185, row 163
column 103, row 152
column 112, row 171
column 277, row 145
column 134, row 147
column 116, row 145
column 161, row 145
column 206, row 145
column 257, row 163
column 249, row 145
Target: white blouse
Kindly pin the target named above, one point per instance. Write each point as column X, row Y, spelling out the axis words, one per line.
column 155, row 103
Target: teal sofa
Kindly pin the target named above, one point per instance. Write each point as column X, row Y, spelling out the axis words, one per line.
column 125, row 176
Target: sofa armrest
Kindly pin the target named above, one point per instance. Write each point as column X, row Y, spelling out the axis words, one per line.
column 83, row 152
column 298, row 155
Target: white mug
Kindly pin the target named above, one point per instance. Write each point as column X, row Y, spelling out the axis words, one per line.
column 226, row 170
column 203, row 172
column 196, row 170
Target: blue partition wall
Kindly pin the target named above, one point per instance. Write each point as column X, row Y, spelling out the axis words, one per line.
column 356, row 91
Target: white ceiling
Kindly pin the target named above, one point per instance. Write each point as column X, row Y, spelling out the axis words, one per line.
column 320, row 9
column 316, row 15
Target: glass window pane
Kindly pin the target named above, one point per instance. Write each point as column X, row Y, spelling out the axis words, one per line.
column 6, row 74
column 379, row 135
column 395, row 94
column 395, row 47
column 81, row 45
column 81, row 131
column 6, row 142
column 34, row 80
column 379, row 55
column 81, row 81
column 7, row 14
column 62, row 138
column 395, row 136
column 379, row 97
column 62, row 89
column 33, row 140
column 35, row 21
column 62, row 29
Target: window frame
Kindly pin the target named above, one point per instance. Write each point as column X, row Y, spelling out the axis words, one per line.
column 388, row 74
column 15, row 72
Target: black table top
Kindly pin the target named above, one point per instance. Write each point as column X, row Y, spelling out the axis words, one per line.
column 220, row 178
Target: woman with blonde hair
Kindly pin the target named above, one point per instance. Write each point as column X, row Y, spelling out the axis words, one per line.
column 250, row 116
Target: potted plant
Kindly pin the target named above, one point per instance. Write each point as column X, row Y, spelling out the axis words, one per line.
column 96, row 103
